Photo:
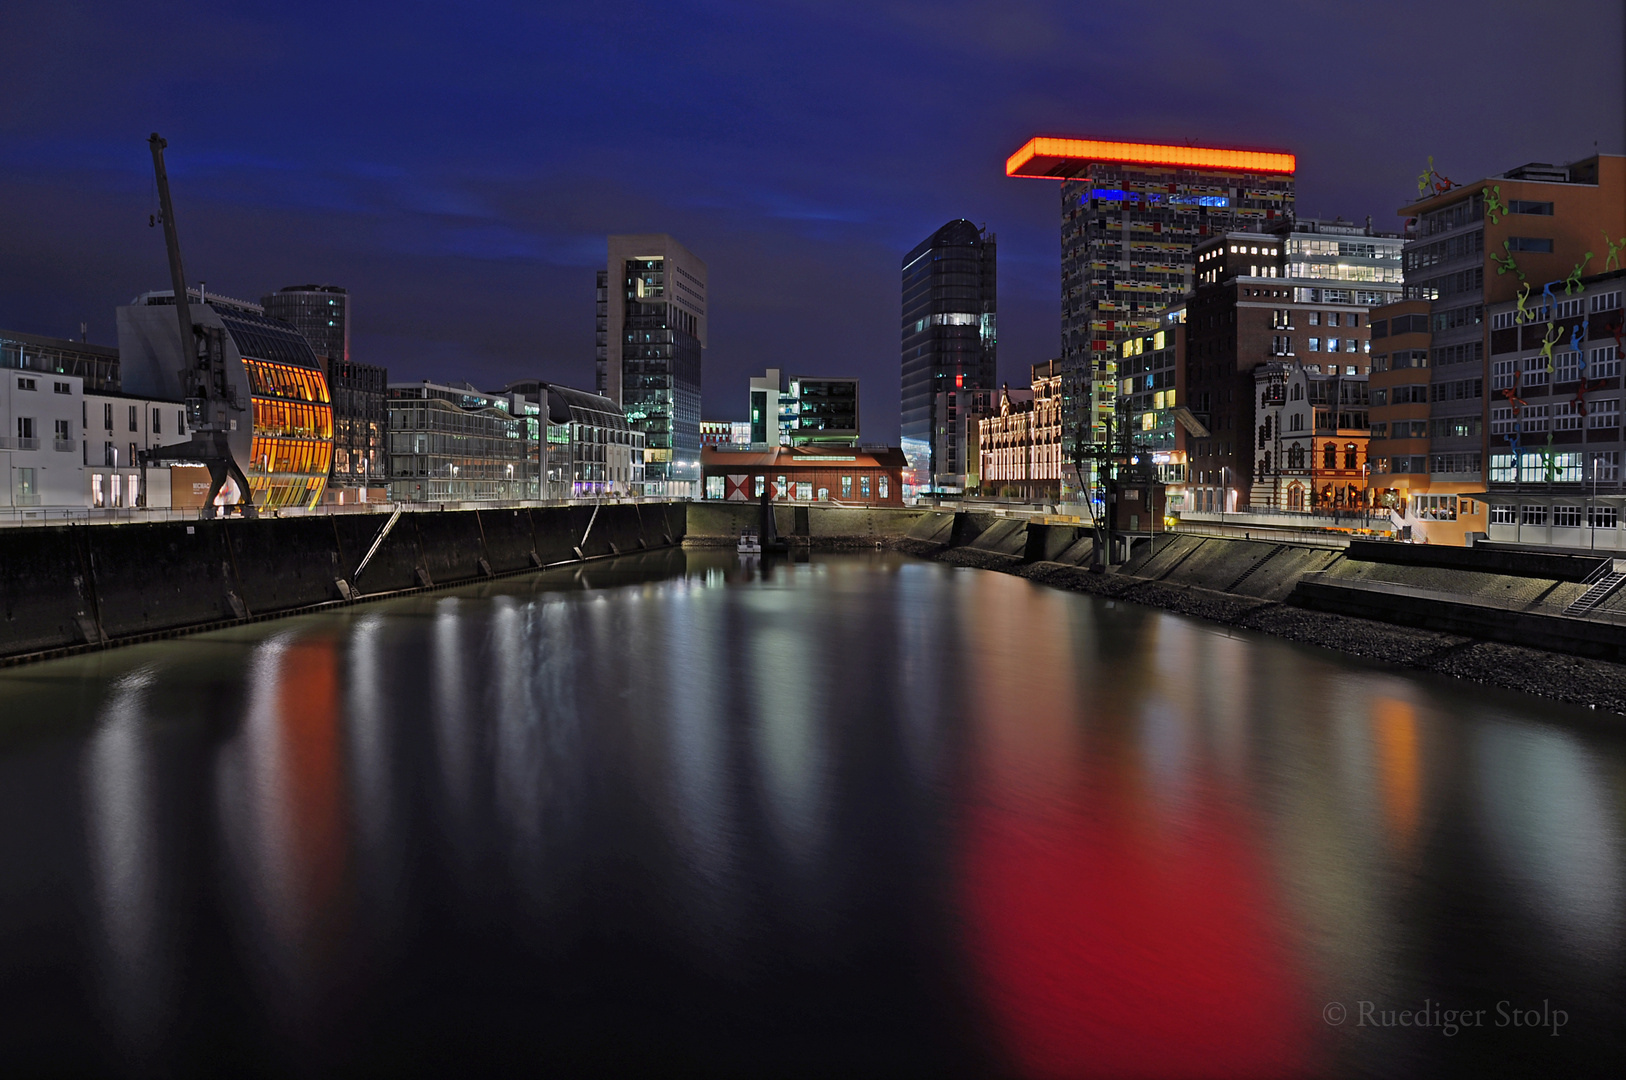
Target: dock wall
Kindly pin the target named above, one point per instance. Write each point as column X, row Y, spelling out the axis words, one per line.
column 63, row 587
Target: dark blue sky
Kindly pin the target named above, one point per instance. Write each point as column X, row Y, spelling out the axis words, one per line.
column 458, row 166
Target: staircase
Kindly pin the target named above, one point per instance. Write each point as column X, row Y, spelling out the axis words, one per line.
column 1600, row 583
column 1262, row 560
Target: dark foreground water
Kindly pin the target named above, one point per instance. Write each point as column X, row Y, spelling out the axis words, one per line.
column 863, row 815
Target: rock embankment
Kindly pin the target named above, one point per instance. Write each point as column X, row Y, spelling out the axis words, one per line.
column 1578, row 680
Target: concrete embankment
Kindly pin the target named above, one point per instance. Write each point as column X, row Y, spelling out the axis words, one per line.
column 821, row 528
column 1492, row 615
column 65, row 588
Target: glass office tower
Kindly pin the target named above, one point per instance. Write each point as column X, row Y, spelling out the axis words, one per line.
column 651, row 336
column 949, row 293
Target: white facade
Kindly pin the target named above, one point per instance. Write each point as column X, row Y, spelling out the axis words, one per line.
column 40, row 442
column 116, row 427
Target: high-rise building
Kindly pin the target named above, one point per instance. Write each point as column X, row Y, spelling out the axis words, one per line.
column 1449, row 416
column 949, row 346
column 651, row 337
column 812, row 411
column 320, row 312
column 1130, row 216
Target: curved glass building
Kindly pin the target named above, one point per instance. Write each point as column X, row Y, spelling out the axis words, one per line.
column 280, row 411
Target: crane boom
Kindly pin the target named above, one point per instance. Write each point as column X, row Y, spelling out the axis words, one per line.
column 172, row 242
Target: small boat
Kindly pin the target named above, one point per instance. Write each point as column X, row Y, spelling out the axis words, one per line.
column 750, row 542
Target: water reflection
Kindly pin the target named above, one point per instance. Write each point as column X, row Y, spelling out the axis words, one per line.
column 859, row 814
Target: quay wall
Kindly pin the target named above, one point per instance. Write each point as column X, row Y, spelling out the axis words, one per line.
column 1494, row 615
column 67, row 586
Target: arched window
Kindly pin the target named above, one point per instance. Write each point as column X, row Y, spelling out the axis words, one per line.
column 1298, row 392
column 1329, row 456
column 1295, row 456
column 1265, row 469
column 1350, row 457
column 1295, row 495
column 1267, row 427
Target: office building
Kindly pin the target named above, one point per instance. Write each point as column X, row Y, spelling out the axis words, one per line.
column 862, row 476
column 320, row 312
column 96, row 366
column 453, row 444
column 803, row 411
column 651, row 339
column 591, row 450
column 360, row 395
column 278, row 405
column 1131, row 214
column 950, row 292
column 1515, row 238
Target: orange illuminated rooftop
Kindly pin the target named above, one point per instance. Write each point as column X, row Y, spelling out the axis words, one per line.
column 1058, row 159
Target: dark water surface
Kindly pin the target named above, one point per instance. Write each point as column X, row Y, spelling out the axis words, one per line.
column 864, row 815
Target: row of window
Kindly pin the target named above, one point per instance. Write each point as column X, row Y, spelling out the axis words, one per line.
column 1562, row 516
column 803, row 491
column 1564, row 367
column 1568, row 467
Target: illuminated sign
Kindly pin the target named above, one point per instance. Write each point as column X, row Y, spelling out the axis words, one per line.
column 1047, row 157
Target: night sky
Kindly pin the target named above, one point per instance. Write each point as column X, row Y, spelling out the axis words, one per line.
column 457, row 166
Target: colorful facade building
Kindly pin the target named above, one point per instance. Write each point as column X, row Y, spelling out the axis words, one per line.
column 1311, row 449
column 858, row 476
column 1131, row 214
column 1500, row 243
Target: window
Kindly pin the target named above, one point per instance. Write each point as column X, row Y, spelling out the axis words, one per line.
column 715, row 487
column 759, row 487
column 881, row 481
column 133, row 421
column 1351, row 457
column 180, row 422
column 1525, row 206
column 64, row 431
column 1503, row 373
column 1315, row 344
column 1332, row 344
column 1502, row 320
column 1535, row 371
column 1455, row 427
column 1605, row 465
column 62, row 388
column 1456, row 463
column 28, row 493
column 1603, row 363
column 116, row 487
column 1460, row 389
column 781, row 490
column 26, row 384
column 1380, row 329
column 1315, row 318
column 804, row 492
column 1567, row 517
column 1535, row 417
column 156, row 426
column 25, row 430
column 134, row 483
column 1530, row 243
column 1329, row 456
column 107, row 416
column 1602, row 517
column 863, row 487
column 1502, row 471
column 1501, row 420
column 1503, row 514
column 846, row 487
column 1530, row 514
column 1349, row 346
column 1567, row 416
column 1603, row 414
column 1606, row 301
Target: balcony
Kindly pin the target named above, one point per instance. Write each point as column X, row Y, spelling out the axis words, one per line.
column 8, row 442
column 64, row 446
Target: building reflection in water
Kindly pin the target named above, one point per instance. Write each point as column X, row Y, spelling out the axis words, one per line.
column 128, row 865
column 1104, row 947
column 282, row 792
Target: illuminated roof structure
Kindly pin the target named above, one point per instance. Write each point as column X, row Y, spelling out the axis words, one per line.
column 1050, row 158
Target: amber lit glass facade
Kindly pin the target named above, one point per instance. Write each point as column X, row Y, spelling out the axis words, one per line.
column 292, row 451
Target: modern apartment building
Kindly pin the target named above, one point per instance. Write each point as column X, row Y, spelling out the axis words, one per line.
column 1131, row 214
column 950, row 345
column 361, row 458
column 803, row 411
column 1511, row 238
column 651, row 338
